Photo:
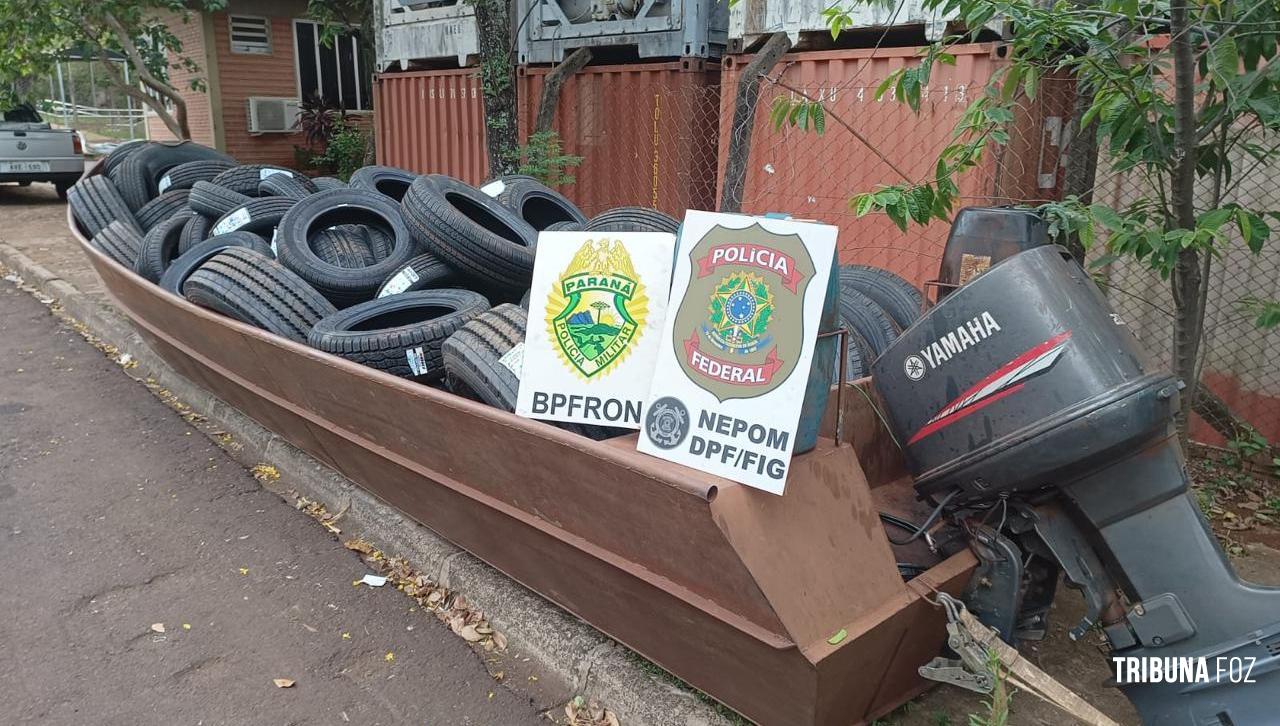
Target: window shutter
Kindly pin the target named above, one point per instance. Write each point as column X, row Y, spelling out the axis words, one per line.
column 250, row 35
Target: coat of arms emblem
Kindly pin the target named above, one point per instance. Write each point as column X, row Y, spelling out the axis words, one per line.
column 740, row 325
column 597, row 308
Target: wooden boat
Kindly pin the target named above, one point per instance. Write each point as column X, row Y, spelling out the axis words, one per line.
column 738, row 592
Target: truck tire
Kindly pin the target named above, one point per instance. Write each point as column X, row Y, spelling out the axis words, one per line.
column 214, row 201
column 260, row 215
column 159, row 248
column 184, row 176
column 253, row 288
column 162, row 207
column 120, row 242
column 866, row 318
column 180, row 269
column 95, row 203
column 298, row 229
column 244, row 179
column 402, row 334
column 473, row 363
column 899, row 298
column 424, row 272
column 632, row 219
column 195, row 231
column 138, row 176
column 467, row 229
column 343, row 246
column 283, row 185
column 386, row 180
column 539, row 205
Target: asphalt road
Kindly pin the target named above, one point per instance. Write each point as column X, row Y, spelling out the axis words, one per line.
column 115, row 515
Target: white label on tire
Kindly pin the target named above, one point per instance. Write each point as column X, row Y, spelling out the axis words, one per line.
column 264, row 173
column 514, row 359
column 401, row 282
column 417, row 360
column 165, row 182
column 494, row 188
column 275, row 252
column 233, row 221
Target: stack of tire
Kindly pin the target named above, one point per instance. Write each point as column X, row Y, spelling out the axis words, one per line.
column 875, row 307
column 383, row 270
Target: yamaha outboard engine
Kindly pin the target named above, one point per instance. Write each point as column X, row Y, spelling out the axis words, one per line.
column 1025, row 406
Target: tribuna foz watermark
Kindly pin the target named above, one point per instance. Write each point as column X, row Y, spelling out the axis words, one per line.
column 1183, row 670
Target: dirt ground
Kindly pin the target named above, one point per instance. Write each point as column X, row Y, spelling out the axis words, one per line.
column 34, row 223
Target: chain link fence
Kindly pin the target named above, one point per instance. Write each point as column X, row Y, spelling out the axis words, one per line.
column 662, row 140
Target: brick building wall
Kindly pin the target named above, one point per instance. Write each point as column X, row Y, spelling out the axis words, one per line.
column 199, row 108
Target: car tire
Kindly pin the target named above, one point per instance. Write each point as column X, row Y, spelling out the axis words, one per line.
column 335, row 207
column 214, row 201
column 184, row 176
column 195, row 231
column 120, row 242
column 539, row 205
column 858, row 359
column 159, row 248
column 325, row 183
column 188, row 262
column 409, row 345
column 260, row 215
column 563, row 227
column 284, row 185
column 343, row 246
column 162, row 207
column 95, row 203
column 244, row 179
column 866, row 318
column 473, row 365
column 632, row 219
column 899, row 298
column 117, row 155
column 138, row 176
column 253, row 288
column 469, row 230
column 424, row 272
column 386, row 180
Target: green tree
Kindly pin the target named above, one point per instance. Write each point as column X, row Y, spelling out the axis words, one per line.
column 38, row 33
column 1176, row 92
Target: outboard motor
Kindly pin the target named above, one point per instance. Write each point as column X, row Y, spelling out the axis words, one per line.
column 1028, row 412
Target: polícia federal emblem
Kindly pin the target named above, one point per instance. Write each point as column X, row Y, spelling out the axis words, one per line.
column 597, row 308
column 740, row 311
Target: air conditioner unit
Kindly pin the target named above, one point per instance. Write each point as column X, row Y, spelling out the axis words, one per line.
column 272, row 115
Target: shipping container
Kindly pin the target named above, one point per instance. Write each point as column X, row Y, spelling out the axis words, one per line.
column 413, row 32
column 432, row 122
column 814, row 176
column 751, row 20
column 646, row 133
column 548, row 29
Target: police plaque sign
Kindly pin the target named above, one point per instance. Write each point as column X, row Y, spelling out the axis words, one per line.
column 746, row 301
column 596, row 309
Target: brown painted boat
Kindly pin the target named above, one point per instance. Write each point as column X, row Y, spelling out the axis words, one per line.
column 736, row 591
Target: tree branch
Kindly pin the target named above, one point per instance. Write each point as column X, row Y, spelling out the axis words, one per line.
column 179, row 124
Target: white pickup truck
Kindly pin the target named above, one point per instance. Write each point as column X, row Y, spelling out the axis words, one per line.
column 31, row 151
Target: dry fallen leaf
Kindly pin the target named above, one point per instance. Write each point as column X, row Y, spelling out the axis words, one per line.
column 283, row 682
column 469, row 634
column 500, row 640
column 157, row 627
column 389, row 657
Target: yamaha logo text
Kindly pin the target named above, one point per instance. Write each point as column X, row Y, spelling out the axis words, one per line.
column 950, row 345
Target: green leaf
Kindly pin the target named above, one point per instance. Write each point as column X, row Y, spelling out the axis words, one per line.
column 819, row 118
column 1214, row 219
column 898, row 213
column 1107, row 217
column 863, row 204
column 778, row 113
column 1224, row 61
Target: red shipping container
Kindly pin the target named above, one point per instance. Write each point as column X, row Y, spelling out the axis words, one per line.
column 432, row 122
column 812, row 176
column 646, row 133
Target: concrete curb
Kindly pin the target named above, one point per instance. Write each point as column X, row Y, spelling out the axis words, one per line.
column 573, row 658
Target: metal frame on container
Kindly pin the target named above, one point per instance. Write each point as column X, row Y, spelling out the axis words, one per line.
column 410, row 31
column 691, row 29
